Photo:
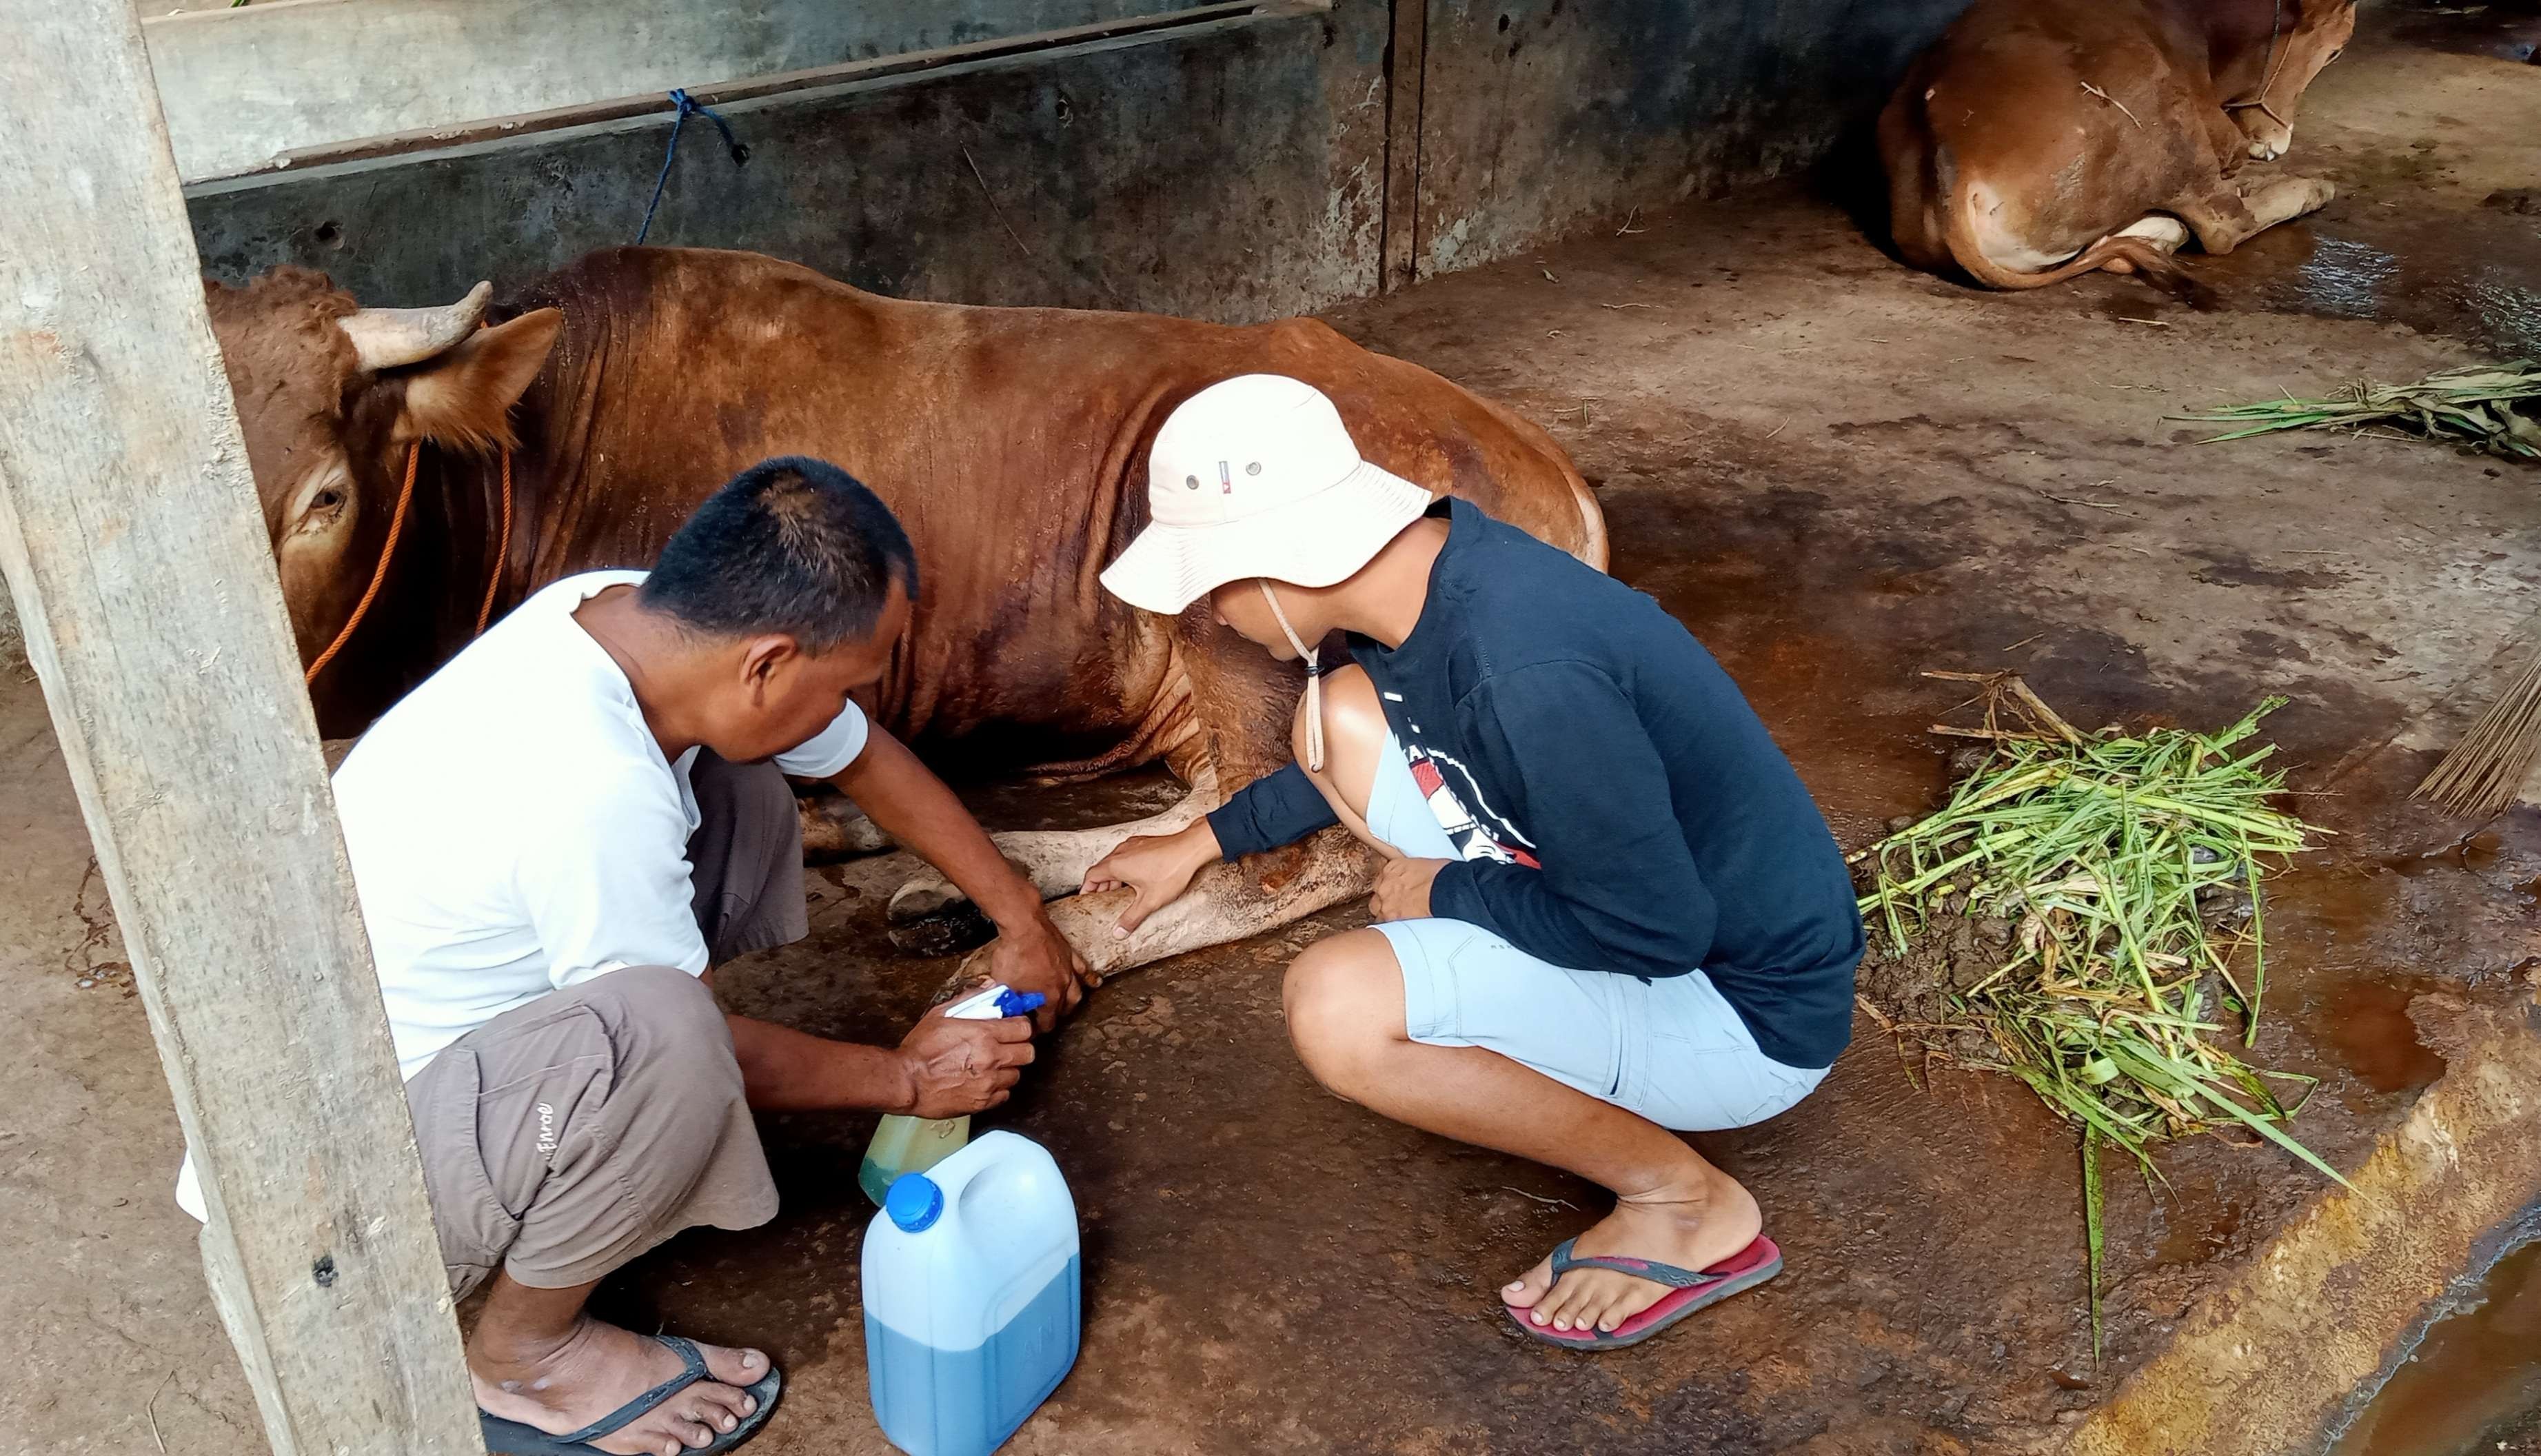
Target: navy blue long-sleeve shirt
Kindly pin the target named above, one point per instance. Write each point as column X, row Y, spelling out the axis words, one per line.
column 1619, row 805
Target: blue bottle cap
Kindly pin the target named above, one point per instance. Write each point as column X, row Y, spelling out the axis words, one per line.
column 1019, row 1003
column 914, row 1202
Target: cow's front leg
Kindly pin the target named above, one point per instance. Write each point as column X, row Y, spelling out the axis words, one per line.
column 1227, row 903
column 833, row 827
column 1055, row 860
column 2224, row 217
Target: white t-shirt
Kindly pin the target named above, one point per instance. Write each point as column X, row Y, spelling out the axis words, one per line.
column 515, row 830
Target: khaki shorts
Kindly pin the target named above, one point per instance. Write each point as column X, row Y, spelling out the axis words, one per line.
column 564, row 1138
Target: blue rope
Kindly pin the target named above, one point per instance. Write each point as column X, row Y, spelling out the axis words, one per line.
column 688, row 107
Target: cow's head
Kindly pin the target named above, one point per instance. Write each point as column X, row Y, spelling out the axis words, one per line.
column 329, row 396
column 2305, row 36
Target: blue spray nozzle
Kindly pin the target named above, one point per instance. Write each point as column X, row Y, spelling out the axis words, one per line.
column 1019, row 1003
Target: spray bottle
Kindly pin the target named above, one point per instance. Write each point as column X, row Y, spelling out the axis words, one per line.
column 906, row 1145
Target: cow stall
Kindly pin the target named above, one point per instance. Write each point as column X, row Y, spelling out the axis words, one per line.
column 1642, row 225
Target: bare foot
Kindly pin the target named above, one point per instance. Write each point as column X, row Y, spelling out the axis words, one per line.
column 1695, row 1225
column 597, row 1368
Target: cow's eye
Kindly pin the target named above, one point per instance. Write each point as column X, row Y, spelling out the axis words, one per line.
column 327, row 499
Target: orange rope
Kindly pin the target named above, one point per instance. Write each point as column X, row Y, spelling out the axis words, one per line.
column 397, row 528
column 503, row 550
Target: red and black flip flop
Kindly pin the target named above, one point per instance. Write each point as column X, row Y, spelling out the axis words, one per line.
column 1689, row 1290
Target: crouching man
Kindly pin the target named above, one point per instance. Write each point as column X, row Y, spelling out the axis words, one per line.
column 553, row 841
column 1607, row 908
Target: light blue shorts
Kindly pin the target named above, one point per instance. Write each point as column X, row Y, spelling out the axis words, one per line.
column 1671, row 1050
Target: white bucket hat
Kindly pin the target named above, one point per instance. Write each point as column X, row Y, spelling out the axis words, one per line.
column 1257, row 477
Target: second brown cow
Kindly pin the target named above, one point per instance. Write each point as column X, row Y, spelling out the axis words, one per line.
column 2039, row 139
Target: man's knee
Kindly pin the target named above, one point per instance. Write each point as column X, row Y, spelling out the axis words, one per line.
column 667, row 1021
column 1343, row 998
column 658, row 993
column 1354, row 730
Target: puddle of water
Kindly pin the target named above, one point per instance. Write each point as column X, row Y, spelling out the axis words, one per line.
column 2474, row 1384
column 2351, row 921
column 2344, row 278
column 2366, row 1022
column 2468, row 279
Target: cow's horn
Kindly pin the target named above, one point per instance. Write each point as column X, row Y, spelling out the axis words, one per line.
column 388, row 338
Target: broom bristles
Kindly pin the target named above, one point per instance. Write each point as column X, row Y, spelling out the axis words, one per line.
column 2485, row 770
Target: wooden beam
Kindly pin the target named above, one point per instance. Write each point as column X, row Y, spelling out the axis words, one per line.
column 244, row 87
column 1161, row 24
column 133, row 544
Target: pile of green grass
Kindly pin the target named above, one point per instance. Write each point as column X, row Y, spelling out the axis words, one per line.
column 2476, row 406
column 2102, row 852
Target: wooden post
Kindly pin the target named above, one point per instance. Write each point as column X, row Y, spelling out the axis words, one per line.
column 130, row 536
column 1406, row 62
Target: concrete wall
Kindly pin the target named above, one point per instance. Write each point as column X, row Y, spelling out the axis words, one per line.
column 1233, row 169
column 1539, row 116
column 1236, row 168
column 244, row 85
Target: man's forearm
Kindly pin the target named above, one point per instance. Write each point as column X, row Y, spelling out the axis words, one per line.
column 902, row 796
column 786, row 1070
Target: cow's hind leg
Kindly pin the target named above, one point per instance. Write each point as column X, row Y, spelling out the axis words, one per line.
column 2227, row 217
column 2161, row 229
column 1229, row 903
column 1055, row 860
column 1226, row 902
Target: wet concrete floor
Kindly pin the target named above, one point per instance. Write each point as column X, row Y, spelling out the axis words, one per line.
column 1839, row 473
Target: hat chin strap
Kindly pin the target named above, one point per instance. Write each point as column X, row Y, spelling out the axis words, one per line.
column 1314, row 681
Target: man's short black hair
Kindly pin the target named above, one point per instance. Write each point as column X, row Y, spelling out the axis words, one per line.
column 793, row 546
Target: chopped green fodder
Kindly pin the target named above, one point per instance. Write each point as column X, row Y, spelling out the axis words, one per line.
column 2074, row 917
column 2493, row 408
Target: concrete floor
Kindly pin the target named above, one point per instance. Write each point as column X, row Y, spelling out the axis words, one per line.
column 1837, row 473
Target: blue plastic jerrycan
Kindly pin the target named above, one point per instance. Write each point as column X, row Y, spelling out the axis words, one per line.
column 972, row 1297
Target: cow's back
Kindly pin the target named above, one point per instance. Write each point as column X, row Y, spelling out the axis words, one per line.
column 1011, row 442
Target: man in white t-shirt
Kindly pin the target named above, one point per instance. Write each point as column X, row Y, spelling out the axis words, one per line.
column 555, row 840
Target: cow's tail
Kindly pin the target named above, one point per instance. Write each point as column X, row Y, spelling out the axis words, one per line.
column 1959, row 230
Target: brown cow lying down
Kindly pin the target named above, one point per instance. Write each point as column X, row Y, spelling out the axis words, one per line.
column 1012, row 442
column 2038, row 139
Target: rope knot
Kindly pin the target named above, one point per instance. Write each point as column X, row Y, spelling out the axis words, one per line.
column 686, row 107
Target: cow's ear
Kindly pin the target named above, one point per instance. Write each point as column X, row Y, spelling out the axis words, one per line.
column 464, row 395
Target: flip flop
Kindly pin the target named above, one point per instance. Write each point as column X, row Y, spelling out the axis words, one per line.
column 1689, row 1290
column 512, row 1439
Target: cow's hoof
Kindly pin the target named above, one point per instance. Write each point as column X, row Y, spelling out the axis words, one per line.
column 923, row 899
column 959, row 929
column 928, row 917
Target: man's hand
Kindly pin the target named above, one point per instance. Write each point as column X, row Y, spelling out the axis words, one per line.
column 1160, row 867
column 959, row 1068
column 1402, row 889
column 916, row 809
column 1034, row 957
